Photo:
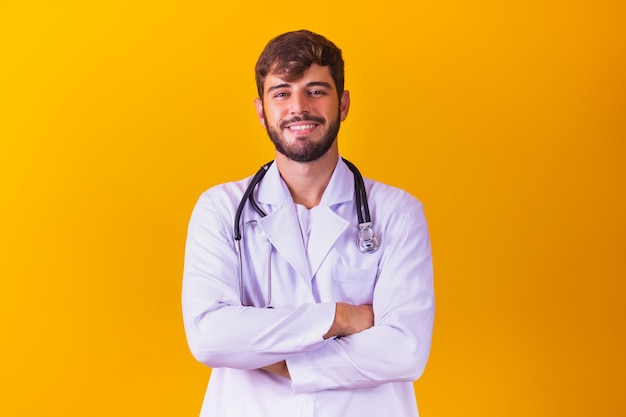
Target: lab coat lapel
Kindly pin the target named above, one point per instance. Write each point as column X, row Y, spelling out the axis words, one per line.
column 283, row 230
column 327, row 227
column 327, row 224
column 281, row 223
column 282, row 227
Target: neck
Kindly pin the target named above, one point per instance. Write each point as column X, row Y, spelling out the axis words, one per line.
column 307, row 181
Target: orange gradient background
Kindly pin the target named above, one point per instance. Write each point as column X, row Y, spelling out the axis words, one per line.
column 506, row 119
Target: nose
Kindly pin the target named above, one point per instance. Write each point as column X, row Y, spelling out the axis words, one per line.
column 299, row 104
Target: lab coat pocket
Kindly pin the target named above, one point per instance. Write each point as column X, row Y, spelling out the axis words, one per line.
column 354, row 285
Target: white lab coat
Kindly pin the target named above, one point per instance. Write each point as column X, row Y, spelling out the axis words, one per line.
column 366, row 374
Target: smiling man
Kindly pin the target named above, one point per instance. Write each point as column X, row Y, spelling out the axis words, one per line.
column 305, row 109
column 308, row 289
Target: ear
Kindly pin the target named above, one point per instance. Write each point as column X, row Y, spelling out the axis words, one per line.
column 258, row 105
column 344, row 105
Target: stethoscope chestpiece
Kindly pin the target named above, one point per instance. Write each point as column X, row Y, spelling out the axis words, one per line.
column 368, row 241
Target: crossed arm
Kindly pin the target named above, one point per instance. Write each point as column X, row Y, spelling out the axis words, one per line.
column 250, row 338
column 349, row 319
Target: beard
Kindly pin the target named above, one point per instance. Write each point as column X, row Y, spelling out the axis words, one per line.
column 304, row 149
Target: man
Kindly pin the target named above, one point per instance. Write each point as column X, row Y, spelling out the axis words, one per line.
column 297, row 310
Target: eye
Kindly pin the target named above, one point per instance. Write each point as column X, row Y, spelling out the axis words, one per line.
column 280, row 94
column 317, row 93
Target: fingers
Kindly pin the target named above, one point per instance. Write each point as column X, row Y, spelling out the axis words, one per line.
column 279, row 368
column 362, row 318
column 350, row 319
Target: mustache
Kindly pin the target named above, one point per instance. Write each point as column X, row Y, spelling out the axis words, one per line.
column 305, row 118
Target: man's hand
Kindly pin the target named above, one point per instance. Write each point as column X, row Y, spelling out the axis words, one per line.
column 350, row 319
column 279, row 368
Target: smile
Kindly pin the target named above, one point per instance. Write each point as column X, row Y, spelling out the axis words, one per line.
column 302, row 127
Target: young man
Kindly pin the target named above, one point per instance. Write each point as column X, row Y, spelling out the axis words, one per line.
column 300, row 304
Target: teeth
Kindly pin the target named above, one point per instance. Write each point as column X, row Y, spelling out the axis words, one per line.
column 302, row 127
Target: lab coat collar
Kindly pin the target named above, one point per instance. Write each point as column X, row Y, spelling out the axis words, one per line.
column 281, row 223
column 273, row 191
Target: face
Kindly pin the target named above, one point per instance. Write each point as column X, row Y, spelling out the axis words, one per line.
column 302, row 117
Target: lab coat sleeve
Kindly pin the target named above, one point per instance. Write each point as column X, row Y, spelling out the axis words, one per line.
column 220, row 331
column 398, row 346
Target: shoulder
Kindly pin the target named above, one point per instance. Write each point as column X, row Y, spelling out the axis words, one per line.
column 394, row 210
column 222, row 199
column 390, row 196
column 226, row 192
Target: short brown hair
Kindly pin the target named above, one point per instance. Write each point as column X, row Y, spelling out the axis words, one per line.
column 292, row 53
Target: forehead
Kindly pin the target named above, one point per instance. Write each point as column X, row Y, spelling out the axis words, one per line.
column 315, row 73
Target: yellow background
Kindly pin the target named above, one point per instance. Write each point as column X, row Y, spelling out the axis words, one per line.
column 507, row 119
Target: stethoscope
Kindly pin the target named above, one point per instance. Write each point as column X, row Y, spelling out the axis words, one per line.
column 367, row 240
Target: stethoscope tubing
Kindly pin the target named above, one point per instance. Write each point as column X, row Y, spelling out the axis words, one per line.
column 269, row 273
column 248, row 195
column 360, row 195
column 367, row 241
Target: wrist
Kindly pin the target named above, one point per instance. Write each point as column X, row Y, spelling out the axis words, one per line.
column 338, row 326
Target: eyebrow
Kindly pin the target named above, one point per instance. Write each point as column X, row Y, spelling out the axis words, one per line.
column 310, row 84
